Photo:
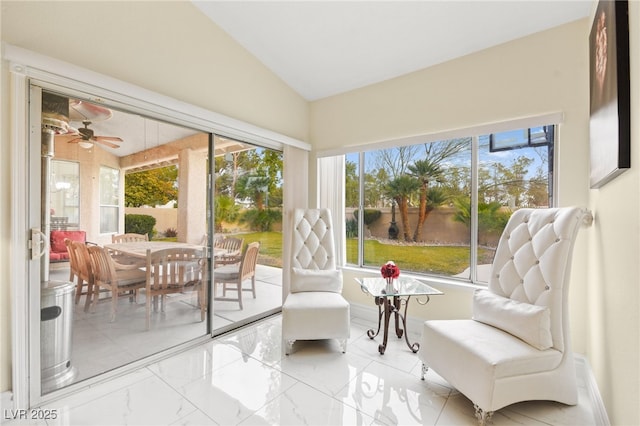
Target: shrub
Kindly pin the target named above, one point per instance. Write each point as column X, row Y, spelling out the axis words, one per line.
column 171, row 232
column 370, row 215
column 261, row 220
column 139, row 224
column 351, row 228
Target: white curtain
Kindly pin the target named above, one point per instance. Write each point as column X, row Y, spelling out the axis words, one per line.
column 331, row 195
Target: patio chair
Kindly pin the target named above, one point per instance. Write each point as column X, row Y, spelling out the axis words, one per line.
column 517, row 345
column 117, row 281
column 125, row 259
column 175, row 270
column 236, row 273
column 232, row 251
column 129, row 238
column 80, row 270
column 314, row 308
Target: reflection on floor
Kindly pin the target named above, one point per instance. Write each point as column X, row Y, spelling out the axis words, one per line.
column 243, row 377
column 99, row 345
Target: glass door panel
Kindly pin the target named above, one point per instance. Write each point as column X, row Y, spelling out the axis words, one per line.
column 247, row 209
column 107, row 172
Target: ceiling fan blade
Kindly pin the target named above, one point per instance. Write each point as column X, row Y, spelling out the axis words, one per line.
column 108, row 138
column 76, row 140
column 66, row 137
column 107, row 143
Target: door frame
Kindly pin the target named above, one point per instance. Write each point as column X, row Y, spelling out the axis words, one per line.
column 28, row 68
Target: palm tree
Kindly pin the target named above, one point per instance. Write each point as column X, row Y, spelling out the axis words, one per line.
column 401, row 189
column 426, row 172
column 226, row 210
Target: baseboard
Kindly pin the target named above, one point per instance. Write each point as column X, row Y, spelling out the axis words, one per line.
column 599, row 411
column 368, row 314
column 6, row 401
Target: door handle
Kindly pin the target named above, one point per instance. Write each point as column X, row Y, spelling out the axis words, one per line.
column 39, row 243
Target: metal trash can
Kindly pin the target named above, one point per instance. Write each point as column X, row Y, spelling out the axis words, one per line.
column 56, row 322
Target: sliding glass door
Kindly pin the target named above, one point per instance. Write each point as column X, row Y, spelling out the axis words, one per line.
column 98, row 172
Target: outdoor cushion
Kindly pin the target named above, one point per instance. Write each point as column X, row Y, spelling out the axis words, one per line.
column 58, row 249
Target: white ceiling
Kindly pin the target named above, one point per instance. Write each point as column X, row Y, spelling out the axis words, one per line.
column 322, row 48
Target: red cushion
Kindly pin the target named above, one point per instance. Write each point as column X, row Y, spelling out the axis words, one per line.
column 55, row 256
column 57, row 240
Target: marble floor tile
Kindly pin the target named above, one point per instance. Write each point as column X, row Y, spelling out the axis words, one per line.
column 146, row 402
column 233, row 393
column 323, row 366
column 244, row 378
column 393, row 396
column 303, row 405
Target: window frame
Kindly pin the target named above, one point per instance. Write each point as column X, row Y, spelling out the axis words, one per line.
column 102, row 205
column 474, row 182
column 55, row 163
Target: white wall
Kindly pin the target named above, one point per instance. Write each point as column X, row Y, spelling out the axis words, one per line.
column 494, row 85
column 167, row 47
column 544, row 73
column 613, row 265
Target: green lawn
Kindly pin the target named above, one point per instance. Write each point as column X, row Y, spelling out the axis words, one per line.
column 270, row 246
column 446, row 260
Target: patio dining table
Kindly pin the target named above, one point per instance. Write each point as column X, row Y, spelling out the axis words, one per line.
column 139, row 248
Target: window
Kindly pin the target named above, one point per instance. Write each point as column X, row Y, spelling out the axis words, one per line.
column 64, row 189
column 109, row 199
column 440, row 207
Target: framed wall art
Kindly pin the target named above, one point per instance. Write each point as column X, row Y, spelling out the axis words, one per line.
column 609, row 122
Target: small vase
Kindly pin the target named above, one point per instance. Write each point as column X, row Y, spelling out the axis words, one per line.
column 389, row 288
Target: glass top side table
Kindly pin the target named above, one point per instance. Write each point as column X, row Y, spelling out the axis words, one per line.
column 391, row 303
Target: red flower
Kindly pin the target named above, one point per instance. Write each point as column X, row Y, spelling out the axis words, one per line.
column 390, row 270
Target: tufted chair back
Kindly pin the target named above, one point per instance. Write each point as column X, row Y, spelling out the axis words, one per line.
column 533, row 262
column 312, row 240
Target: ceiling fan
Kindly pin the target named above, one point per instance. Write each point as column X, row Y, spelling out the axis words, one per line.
column 86, row 137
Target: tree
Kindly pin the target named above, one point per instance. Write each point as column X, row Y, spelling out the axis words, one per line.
column 395, row 160
column 226, row 210
column 426, row 172
column 512, row 179
column 401, row 189
column 491, row 216
column 351, row 185
column 253, row 187
column 151, row 187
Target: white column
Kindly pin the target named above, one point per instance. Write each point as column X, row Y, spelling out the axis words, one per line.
column 192, row 196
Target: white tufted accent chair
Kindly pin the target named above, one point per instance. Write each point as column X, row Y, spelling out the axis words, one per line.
column 517, row 347
column 314, row 308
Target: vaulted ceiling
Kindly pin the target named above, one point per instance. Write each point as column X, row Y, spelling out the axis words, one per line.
column 322, row 48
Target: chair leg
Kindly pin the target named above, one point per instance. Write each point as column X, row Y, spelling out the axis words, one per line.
column 240, row 294
column 425, row 368
column 148, row 303
column 87, row 302
column 114, row 303
column 483, row 417
column 78, row 289
column 253, row 286
column 202, row 296
column 288, row 345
